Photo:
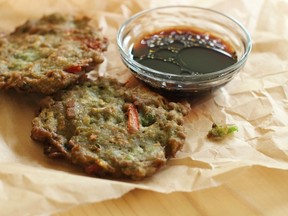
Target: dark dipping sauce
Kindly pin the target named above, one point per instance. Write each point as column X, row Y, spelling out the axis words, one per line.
column 183, row 51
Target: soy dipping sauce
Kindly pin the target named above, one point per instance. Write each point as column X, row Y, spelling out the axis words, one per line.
column 183, row 51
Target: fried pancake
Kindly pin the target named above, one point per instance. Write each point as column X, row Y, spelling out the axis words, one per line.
column 111, row 130
column 49, row 54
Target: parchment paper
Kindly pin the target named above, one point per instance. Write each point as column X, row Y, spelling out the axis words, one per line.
column 256, row 100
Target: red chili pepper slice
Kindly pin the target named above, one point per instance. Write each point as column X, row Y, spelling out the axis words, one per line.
column 73, row 69
column 133, row 124
column 91, row 169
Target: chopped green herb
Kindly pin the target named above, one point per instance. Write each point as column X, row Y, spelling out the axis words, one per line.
column 221, row 131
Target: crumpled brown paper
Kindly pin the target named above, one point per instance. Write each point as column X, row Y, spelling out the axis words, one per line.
column 256, row 100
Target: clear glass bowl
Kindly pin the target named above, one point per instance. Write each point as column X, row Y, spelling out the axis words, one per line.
column 152, row 20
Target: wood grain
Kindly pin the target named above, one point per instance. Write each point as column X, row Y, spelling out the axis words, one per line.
column 257, row 191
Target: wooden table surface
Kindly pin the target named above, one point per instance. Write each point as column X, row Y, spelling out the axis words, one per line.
column 257, row 191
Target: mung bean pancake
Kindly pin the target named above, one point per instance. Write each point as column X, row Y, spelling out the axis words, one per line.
column 50, row 53
column 111, row 130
